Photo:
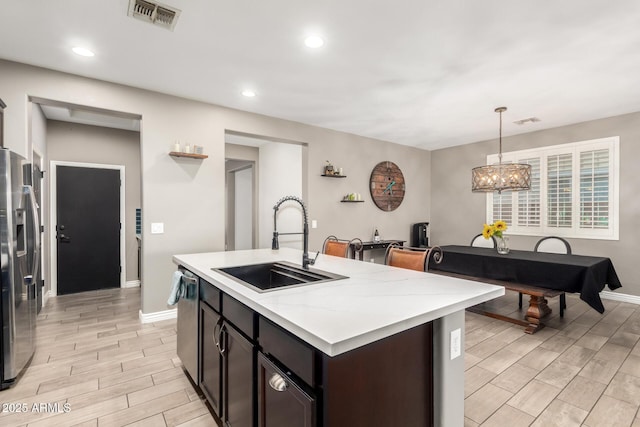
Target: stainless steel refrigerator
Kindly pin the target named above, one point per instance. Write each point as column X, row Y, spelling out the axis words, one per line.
column 19, row 252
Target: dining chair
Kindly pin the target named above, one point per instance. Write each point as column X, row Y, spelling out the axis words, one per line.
column 479, row 241
column 411, row 258
column 554, row 245
column 340, row 247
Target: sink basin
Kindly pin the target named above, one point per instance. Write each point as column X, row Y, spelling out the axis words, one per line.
column 276, row 275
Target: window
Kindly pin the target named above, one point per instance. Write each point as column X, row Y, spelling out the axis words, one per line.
column 574, row 191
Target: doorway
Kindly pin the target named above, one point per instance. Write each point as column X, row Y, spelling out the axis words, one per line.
column 240, row 194
column 87, row 241
column 279, row 169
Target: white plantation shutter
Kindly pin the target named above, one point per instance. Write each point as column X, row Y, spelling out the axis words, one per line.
column 573, row 191
column 559, row 190
column 503, row 208
column 594, row 189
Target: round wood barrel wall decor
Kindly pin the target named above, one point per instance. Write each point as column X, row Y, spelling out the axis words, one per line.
column 387, row 186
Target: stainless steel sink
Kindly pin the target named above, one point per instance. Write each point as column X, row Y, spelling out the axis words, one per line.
column 272, row 276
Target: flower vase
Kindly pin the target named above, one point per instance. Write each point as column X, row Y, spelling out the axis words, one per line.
column 502, row 245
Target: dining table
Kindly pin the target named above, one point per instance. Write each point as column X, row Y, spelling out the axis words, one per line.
column 582, row 274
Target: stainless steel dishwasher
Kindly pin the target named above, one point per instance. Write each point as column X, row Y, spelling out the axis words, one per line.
column 188, row 332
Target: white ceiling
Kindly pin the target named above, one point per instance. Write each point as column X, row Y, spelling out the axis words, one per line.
column 425, row 73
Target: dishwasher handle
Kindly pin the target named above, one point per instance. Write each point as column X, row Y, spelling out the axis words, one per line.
column 190, row 286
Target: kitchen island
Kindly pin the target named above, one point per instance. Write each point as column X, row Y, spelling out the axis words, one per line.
column 340, row 344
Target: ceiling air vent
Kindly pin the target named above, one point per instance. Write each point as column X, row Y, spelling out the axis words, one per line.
column 154, row 13
column 527, row 120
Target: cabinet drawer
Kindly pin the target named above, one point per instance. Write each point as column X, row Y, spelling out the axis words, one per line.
column 239, row 315
column 296, row 355
column 210, row 294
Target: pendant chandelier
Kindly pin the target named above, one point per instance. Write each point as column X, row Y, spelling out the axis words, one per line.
column 507, row 177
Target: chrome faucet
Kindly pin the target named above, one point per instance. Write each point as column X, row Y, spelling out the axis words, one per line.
column 306, row 261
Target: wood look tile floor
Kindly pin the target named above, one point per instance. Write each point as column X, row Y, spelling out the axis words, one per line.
column 583, row 370
column 95, row 356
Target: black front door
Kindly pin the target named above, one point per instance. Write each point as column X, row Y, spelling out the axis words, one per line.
column 88, row 228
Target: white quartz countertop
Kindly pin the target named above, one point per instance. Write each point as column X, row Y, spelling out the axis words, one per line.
column 374, row 302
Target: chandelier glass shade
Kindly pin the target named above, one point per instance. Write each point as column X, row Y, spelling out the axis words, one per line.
column 501, row 177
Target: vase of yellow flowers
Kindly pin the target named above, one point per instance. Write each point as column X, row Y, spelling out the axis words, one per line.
column 496, row 230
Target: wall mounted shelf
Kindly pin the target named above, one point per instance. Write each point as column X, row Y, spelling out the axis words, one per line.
column 351, row 201
column 189, row 155
column 334, row 176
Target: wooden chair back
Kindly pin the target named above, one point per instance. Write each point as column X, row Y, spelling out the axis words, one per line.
column 411, row 258
column 337, row 247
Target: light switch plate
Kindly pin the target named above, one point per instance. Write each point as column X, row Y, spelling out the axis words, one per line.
column 314, row 223
column 456, row 343
column 157, row 227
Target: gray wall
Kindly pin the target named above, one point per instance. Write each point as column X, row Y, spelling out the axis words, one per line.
column 458, row 214
column 92, row 144
column 169, row 181
column 38, row 142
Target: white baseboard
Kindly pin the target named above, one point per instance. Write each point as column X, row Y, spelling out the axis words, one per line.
column 45, row 297
column 158, row 315
column 132, row 284
column 615, row 296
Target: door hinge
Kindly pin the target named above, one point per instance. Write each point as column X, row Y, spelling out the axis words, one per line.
column 41, row 174
column 42, row 283
column 120, row 269
column 42, row 228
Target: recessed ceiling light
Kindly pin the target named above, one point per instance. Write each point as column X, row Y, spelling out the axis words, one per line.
column 248, row 93
column 82, row 51
column 314, row 42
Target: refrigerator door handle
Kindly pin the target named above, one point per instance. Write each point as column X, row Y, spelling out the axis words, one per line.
column 36, row 230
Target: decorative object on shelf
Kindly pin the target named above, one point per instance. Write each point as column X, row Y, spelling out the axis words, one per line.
column 507, row 177
column 387, row 186
column 496, row 230
column 189, row 155
column 353, row 197
column 187, row 149
column 177, row 147
column 333, row 176
column 328, row 168
column 197, row 149
column 376, row 236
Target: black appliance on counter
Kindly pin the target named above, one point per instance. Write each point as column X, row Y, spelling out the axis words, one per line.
column 419, row 237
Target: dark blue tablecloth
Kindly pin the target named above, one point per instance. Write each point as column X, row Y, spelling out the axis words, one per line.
column 586, row 275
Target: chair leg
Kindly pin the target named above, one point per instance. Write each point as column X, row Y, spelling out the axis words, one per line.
column 563, row 304
column 519, row 299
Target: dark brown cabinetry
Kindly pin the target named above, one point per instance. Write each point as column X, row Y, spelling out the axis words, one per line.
column 227, row 357
column 238, row 378
column 254, row 373
column 210, row 358
column 282, row 402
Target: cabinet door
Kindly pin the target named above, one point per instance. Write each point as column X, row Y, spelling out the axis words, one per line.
column 281, row 402
column 211, row 362
column 238, row 383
